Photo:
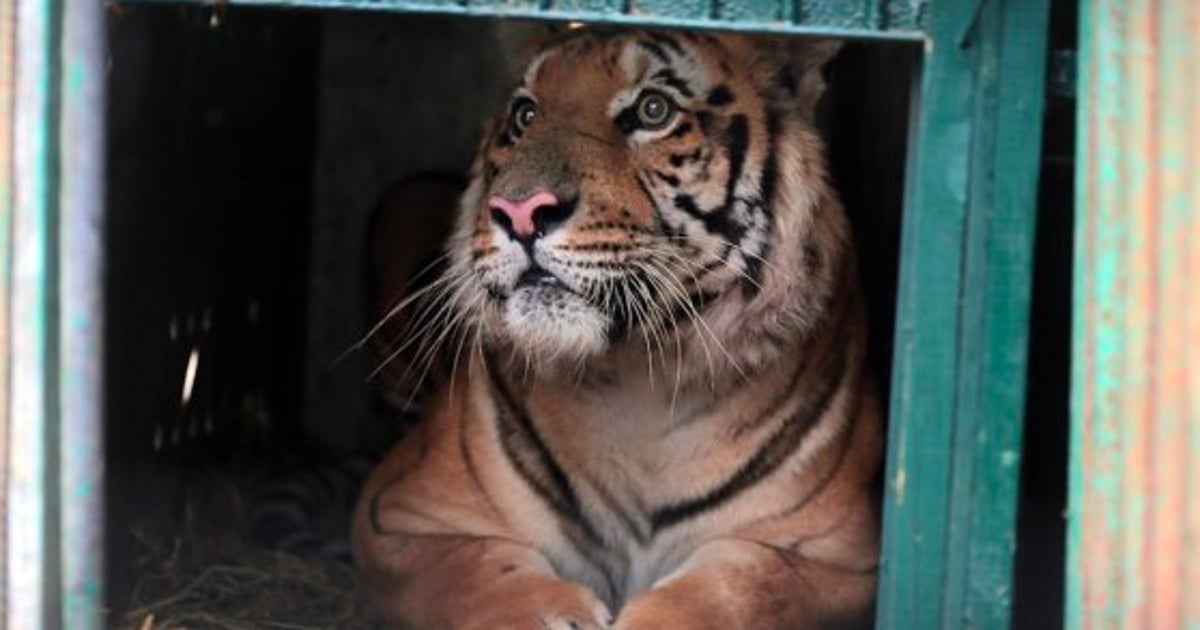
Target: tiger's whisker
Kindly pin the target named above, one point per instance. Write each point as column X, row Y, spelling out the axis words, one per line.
column 402, row 303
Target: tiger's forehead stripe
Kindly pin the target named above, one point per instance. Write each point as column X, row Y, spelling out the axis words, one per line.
column 666, row 59
column 633, row 62
column 531, row 72
column 676, row 69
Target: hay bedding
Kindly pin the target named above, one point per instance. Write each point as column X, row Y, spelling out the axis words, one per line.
column 227, row 563
column 203, row 570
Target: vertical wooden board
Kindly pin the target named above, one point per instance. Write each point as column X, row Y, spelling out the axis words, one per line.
column 1134, row 526
column 962, row 327
column 1180, row 267
column 7, row 67
column 29, row 562
column 53, row 555
column 992, row 382
column 80, row 288
column 925, row 355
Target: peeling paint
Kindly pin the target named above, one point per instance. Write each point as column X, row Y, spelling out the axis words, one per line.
column 1134, row 526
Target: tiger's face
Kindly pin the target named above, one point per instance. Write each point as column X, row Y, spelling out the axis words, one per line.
column 630, row 182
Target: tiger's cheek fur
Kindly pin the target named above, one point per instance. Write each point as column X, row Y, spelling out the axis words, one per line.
column 699, row 180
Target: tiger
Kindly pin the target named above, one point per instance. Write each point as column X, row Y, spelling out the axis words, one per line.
column 656, row 412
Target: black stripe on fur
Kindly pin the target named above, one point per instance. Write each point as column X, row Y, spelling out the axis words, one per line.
column 532, row 458
column 774, row 451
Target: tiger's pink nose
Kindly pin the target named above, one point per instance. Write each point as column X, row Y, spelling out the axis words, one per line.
column 527, row 218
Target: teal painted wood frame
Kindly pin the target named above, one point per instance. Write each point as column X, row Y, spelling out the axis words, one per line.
column 53, row 205
column 958, row 383
column 8, row 23
column 32, row 349
column 886, row 19
column 1134, row 519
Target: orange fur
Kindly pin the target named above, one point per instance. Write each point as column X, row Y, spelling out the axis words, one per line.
column 674, row 427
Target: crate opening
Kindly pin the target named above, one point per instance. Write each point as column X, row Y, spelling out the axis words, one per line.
column 249, row 151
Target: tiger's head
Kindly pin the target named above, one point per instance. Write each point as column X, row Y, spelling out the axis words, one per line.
column 640, row 187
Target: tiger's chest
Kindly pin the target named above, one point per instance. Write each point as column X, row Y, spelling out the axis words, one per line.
column 635, row 458
column 631, row 552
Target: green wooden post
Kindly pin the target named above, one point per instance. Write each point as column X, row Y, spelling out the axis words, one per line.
column 53, row 204
column 1134, row 520
column 31, row 582
column 8, row 23
column 80, row 296
column 962, row 319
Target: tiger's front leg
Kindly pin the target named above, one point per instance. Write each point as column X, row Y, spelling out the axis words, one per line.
column 473, row 583
column 747, row 585
column 435, row 554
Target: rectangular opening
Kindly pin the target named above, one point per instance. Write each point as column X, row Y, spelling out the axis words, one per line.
column 248, row 152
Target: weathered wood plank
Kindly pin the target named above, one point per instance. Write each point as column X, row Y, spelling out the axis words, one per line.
column 32, row 579
column 962, row 319
column 886, row 19
column 79, row 246
column 1134, row 522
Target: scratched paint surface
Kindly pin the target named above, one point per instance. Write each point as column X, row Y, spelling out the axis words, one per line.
column 1134, row 531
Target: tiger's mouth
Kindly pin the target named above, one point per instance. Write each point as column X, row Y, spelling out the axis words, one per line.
column 549, row 320
column 536, row 276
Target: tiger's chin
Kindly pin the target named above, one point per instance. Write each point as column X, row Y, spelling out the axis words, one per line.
column 552, row 326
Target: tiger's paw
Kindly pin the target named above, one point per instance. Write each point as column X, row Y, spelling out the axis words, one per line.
column 670, row 610
column 665, row 620
column 558, row 606
column 598, row 618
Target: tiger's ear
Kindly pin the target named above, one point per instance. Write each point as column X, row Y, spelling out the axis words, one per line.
column 795, row 65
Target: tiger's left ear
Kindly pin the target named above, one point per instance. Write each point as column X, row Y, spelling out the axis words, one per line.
column 795, row 65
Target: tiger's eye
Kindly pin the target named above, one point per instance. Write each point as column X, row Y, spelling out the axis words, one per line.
column 524, row 113
column 654, row 110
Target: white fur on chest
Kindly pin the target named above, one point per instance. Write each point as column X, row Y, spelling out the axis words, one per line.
column 644, row 443
column 621, row 572
column 639, row 447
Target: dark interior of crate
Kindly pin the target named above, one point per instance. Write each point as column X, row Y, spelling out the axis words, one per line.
column 247, row 148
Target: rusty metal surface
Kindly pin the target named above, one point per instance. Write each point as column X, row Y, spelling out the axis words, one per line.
column 1134, row 531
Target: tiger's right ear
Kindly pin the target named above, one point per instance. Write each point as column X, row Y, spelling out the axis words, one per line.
column 796, row 64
